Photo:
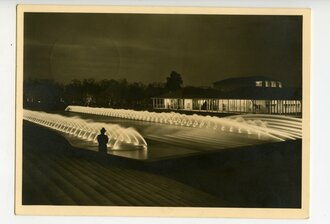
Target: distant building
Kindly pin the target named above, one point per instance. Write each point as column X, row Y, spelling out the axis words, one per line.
column 257, row 94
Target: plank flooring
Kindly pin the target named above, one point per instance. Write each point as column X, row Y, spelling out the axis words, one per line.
column 62, row 179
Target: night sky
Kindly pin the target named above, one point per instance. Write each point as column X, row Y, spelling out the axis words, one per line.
column 146, row 48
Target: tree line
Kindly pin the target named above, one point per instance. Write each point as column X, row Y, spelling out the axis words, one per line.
column 49, row 95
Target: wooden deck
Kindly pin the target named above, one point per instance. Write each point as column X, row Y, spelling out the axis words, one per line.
column 55, row 178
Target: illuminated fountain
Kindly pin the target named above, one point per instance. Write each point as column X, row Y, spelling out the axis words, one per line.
column 169, row 134
column 86, row 132
column 267, row 127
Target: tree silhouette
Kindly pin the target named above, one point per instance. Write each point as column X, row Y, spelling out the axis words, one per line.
column 174, row 81
column 49, row 95
column 90, row 90
column 42, row 94
column 73, row 92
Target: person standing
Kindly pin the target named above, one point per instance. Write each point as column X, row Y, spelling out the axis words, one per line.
column 103, row 141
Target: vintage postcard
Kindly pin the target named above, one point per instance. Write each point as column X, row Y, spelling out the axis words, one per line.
column 162, row 111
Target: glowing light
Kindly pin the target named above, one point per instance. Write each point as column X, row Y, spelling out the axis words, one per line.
column 275, row 127
column 72, row 127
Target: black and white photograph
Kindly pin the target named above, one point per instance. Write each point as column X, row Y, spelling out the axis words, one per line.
column 155, row 108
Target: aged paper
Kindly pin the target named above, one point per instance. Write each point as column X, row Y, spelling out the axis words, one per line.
column 41, row 56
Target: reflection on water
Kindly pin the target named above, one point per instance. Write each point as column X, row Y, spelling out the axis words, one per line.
column 84, row 133
column 179, row 138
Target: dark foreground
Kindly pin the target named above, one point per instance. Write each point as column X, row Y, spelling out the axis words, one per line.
column 55, row 173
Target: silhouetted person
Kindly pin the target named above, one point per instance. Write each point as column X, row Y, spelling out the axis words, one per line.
column 102, row 140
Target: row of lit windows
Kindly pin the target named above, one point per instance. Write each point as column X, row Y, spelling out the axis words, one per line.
column 231, row 105
column 268, row 84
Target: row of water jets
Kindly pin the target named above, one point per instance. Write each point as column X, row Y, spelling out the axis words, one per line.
column 119, row 138
column 274, row 127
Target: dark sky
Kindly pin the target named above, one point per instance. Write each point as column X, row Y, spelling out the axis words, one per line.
column 146, row 48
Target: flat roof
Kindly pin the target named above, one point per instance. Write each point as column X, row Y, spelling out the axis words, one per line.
column 240, row 80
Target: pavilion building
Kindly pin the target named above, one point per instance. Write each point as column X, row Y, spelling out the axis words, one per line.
column 257, row 94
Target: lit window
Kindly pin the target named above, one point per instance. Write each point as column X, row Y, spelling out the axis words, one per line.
column 266, row 83
column 273, row 84
column 279, row 84
column 259, row 83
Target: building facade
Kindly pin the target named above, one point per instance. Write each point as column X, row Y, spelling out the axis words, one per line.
column 236, row 95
